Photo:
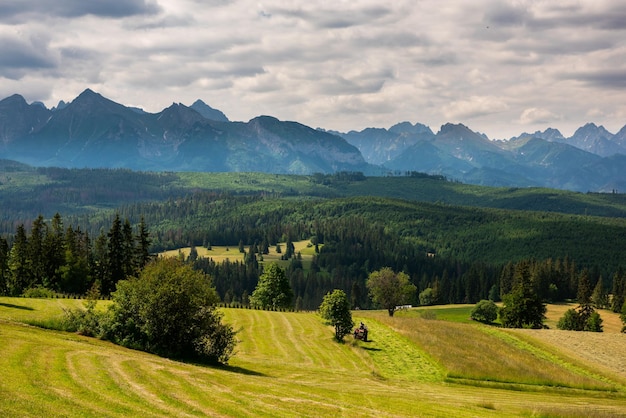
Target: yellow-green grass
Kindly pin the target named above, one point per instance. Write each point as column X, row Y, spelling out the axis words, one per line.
column 33, row 310
column 287, row 364
column 221, row 253
column 611, row 322
column 481, row 354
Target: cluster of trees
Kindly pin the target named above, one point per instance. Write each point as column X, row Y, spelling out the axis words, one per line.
column 169, row 309
column 67, row 260
column 524, row 303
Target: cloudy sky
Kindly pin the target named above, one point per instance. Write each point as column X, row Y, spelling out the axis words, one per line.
column 500, row 67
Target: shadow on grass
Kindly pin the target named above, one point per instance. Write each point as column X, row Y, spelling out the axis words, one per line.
column 10, row 305
column 239, row 370
column 225, row 367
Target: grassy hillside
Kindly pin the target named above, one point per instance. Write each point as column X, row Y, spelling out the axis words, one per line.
column 287, row 364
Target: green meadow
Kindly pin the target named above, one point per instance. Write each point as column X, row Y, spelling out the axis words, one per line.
column 287, row 364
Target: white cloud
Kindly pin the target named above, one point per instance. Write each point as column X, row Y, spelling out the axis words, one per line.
column 535, row 115
column 343, row 65
column 474, row 106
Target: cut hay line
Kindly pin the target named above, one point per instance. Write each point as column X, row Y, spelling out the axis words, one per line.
column 478, row 356
column 397, row 357
column 108, row 380
column 598, row 350
column 512, row 338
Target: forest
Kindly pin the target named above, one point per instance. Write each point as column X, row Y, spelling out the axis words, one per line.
column 453, row 251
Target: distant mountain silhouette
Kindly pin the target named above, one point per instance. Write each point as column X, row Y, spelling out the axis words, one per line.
column 93, row 131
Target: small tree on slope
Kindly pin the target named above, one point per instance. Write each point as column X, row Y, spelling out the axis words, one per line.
column 335, row 309
column 389, row 289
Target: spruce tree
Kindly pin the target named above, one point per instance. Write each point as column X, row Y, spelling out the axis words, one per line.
column 4, row 266
column 19, row 277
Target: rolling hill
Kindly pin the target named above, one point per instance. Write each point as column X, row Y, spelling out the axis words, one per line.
column 288, row 364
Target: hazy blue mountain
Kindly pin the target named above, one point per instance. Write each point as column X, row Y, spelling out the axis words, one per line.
column 595, row 139
column 549, row 134
column 379, row 146
column 18, row 118
column 93, row 131
column 208, row 112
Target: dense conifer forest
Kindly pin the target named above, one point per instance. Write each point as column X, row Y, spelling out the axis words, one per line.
column 454, row 251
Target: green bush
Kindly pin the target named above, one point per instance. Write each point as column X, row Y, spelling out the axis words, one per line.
column 573, row 320
column 485, row 311
column 170, row 310
column 426, row 297
column 569, row 321
column 39, row 292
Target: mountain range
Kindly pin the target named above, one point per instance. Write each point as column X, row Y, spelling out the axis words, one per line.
column 93, row 131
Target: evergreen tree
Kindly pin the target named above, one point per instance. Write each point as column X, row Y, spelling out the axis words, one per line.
column 600, row 296
column 54, row 252
column 128, row 250
column 273, row 290
column 101, row 264
column 506, row 279
column 522, row 308
column 36, row 254
column 143, row 241
column 619, row 291
column 4, row 266
column 116, row 257
column 20, row 277
column 585, row 305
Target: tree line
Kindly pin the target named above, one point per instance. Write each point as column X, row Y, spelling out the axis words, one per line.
column 68, row 260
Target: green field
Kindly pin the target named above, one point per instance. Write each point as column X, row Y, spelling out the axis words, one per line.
column 221, row 253
column 287, row 364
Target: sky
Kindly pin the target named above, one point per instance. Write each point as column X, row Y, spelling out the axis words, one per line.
column 499, row 67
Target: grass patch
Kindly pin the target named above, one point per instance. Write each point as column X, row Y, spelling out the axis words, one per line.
column 286, row 364
column 476, row 353
column 221, row 253
column 452, row 313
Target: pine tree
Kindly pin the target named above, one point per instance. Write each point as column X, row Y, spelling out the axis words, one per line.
column 128, row 250
column 143, row 241
column 101, row 264
column 585, row 305
column 20, row 277
column 522, row 308
column 54, row 252
column 35, row 252
column 600, row 296
column 619, row 291
column 273, row 290
column 4, row 266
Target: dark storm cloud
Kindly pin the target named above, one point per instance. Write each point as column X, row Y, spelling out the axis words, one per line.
column 501, row 14
column 22, row 55
column 17, row 10
column 614, row 79
column 335, row 18
column 391, row 39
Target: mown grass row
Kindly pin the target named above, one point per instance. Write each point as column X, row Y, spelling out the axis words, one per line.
column 287, row 364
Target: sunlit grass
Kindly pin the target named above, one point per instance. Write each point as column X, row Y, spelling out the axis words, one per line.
column 476, row 353
column 286, row 364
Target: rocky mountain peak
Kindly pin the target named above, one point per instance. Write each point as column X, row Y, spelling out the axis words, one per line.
column 208, row 112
